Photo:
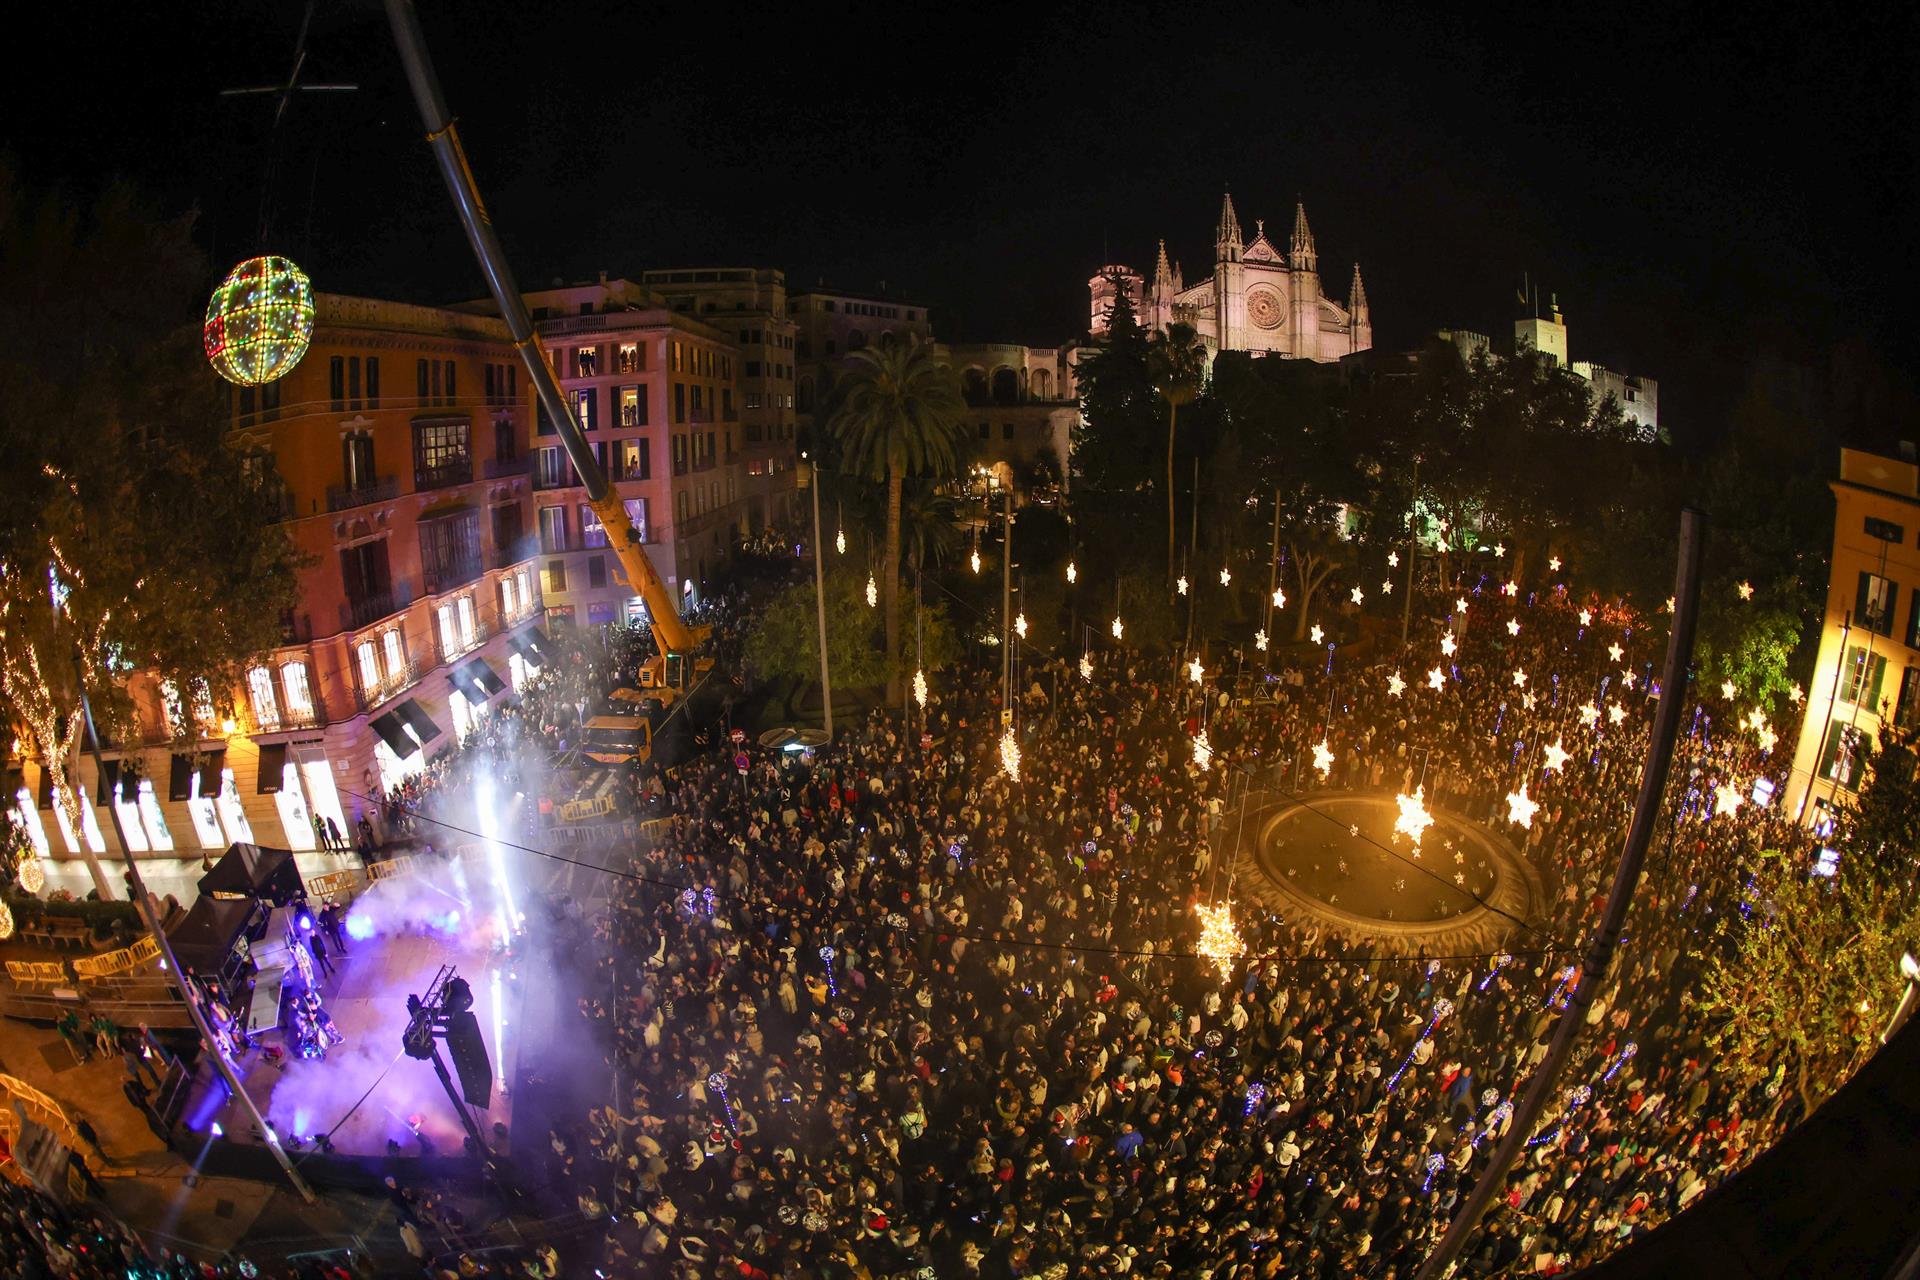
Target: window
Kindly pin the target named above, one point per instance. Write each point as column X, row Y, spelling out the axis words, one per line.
column 433, row 382
column 1885, row 530
column 440, row 455
column 1860, row 675
column 506, row 441
column 630, row 361
column 468, row 623
column 353, row 382
column 450, row 550
column 680, row 501
column 1906, row 712
column 369, row 662
column 550, row 468
column 827, row 305
column 1873, row 608
column 637, row 516
column 679, row 402
column 751, row 369
column 632, row 459
column 357, row 461
column 373, row 382
column 553, row 530
column 633, row 407
column 676, row 357
column 450, row 392
column 583, row 408
column 586, row 362
column 596, row 571
column 1006, row 431
column 1840, row 758
column 556, row 576
column 293, row 681
column 753, row 399
column 507, row 598
column 444, row 630
column 592, row 532
column 336, row 386
column 394, row 647
column 266, row 708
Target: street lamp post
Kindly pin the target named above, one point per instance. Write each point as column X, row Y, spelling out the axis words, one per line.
column 820, row 597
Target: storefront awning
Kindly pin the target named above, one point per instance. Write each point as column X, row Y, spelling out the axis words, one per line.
column 213, row 768
column 44, row 797
column 533, row 646
column 114, row 778
column 180, row 778
column 481, row 672
column 418, row 720
column 463, row 681
column 273, row 767
column 394, row 734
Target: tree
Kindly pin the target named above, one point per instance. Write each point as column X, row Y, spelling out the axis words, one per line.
column 133, row 537
column 896, row 412
column 784, row 641
column 1177, row 360
column 1800, row 991
column 1119, row 412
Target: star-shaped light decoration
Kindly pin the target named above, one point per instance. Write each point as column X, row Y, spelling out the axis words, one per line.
column 1795, row 693
column 1519, row 678
column 873, row 592
column 1219, row 940
column 1513, row 626
column 1073, row 573
column 1357, row 596
column 1181, row 584
column 1279, row 598
column 1203, row 751
column 1553, row 564
column 1393, row 559
column 1443, row 546
column 1020, row 626
column 1226, row 576
column 1414, row 818
column 1086, row 667
column 973, row 559
column 1726, row 800
column 1768, row 738
column 1196, row 672
column 1528, row 700
column 1395, row 685
column 1615, row 652
column 1616, row 713
column 1746, row 590
column 1521, row 808
column 1727, row 690
column 1318, row 635
column 1448, row 644
column 1556, row 757
column 1510, row 589
column 920, row 687
column 1354, row 831
column 1499, row 550
column 1119, row 628
column 1323, row 758
column 1627, row 679
column 1586, row 617
column 1460, row 605
column 1589, row 715
column 1260, row 641
column 1669, row 604
column 1010, row 754
column 1386, row 586
column 1436, row 679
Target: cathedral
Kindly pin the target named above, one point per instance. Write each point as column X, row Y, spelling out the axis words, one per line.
column 1257, row 298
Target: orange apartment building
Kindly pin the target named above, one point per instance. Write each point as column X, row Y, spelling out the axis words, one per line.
column 399, row 449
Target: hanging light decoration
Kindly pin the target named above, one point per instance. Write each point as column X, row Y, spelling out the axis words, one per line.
column 1510, row 589
column 6, row 921
column 1589, row 715
column 1726, row 800
column 1728, row 690
column 33, row 876
column 1196, row 672
column 1357, row 596
column 259, row 321
column 1556, row 760
column 1260, row 640
column 1279, row 598
column 1319, row 636
column 1436, row 679
column 1119, row 627
column 973, row 559
column 1226, row 576
column 1010, row 754
column 1414, row 818
column 920, row 687
column 1020, row 625
column 1448, row 644
column 1395, row 685
column 1586, row 617
column 1386, row 586
column 1086, row 667
column 1499, row 550
column 1393, row 559
column 1553, row 564
column 1203, row 751
column 1219, row 939
column 1073, row 574
column 1519, row 677
column 1768, row 738
column 873, row 592
column 1521, row 807
column 1460, row 605
column 1513, row 626
column 1746, row 590
column 1795, row 693
column 1616, row 714
column 1323, row 758
column 1181, row 584
column 1614, row 651
column 840, row 541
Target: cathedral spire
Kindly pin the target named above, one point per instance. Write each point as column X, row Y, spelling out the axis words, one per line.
column 1301, row 252
column 1162, row 273
column 1357, row 294
column 1227, row 237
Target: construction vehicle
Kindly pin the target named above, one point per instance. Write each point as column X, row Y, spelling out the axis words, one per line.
column 622, row 739
column 676, row 666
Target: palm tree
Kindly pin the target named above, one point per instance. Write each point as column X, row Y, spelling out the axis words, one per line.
column 1178, row 362
column 897, row 410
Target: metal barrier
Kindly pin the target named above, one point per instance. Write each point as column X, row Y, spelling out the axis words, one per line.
column 400, row 866
column 145, row 951
column 35, row 1105
column 334, row 884
column 33, row 974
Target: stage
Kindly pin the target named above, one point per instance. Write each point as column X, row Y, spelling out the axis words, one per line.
column 366, row 1092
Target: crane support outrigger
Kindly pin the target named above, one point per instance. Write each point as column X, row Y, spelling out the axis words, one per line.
column 674, row 667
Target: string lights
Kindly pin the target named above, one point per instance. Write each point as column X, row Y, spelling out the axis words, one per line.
column 1203, row 751
column 1226, row 576
column 833, row 981
column 1119, row 627
column 920, row 688
column 1323, row 758
column 259, row 321
column 1413, row 819
column 1441, row 1008
column 1073, row 574
column 1219, row 939
column 873, row 592
column 1010, row 754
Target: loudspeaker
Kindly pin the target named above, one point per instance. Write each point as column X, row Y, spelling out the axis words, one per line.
column 470, row 1060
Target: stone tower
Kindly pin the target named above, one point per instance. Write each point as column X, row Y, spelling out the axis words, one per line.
column 1303, row 265
column 1360, row 335
column 1229, row 280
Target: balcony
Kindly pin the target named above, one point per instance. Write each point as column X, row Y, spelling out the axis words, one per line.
column 448, row 651
column 501, row 468
column 341, row 497
column 520, row 549
column 392, row 682
column 456, row 470
column 438, row 578
column 280, row 718
column 364, row 611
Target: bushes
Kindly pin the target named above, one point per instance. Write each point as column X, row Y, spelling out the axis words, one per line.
column 100, row 916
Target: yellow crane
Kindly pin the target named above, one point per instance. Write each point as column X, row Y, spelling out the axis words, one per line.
column 676, row 665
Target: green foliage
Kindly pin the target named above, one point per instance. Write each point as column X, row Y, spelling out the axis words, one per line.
column 1805, row 986
column 1750, row 644
column 1121, row 413
column 122, row 486
column 784, row 640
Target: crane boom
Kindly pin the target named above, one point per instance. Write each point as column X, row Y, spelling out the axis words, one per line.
column 675, row 639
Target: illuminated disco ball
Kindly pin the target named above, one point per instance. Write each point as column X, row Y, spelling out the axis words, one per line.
column 259, row 321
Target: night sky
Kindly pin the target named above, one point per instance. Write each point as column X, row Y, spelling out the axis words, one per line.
column 1686, row 186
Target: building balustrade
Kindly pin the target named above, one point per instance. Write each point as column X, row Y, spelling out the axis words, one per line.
column 343, row 497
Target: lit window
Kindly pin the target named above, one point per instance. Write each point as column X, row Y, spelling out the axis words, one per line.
column 28, row 817
column 291, row 800
column 90, row 824
column 293, row 680
column 369, row 661
column 266, row 708
column 158, row 834
column 507, row 609
column 206, row 819
column 443, row 622
column 396, row 656
column 466, row 622
column 239, row 830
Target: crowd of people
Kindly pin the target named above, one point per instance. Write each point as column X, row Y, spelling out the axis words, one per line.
column 886, row 1010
